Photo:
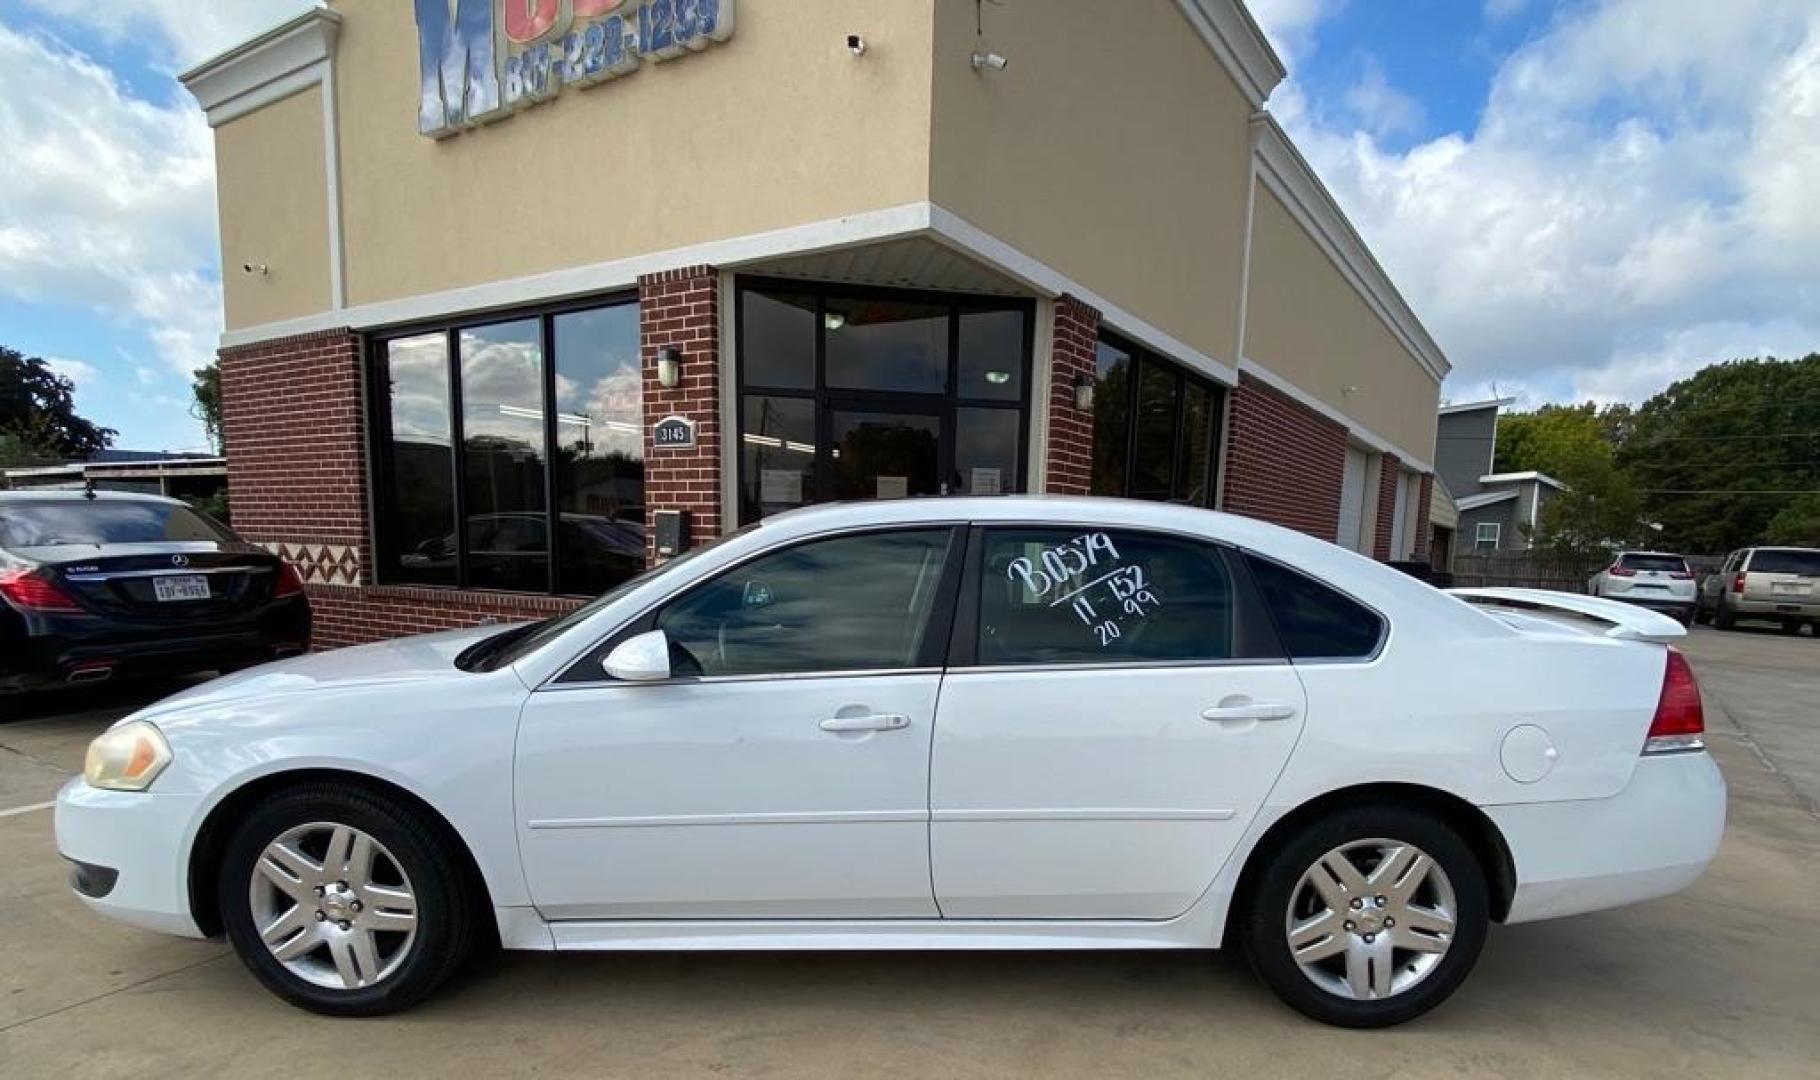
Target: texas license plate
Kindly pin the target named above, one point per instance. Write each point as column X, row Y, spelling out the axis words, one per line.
column 179, row 587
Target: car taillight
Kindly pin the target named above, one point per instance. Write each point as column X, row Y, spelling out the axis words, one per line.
column 33, row 591
column 1621, row 571
column 290, row 583
column 1680, row 722
column 1681, row 575
column 1737, row 583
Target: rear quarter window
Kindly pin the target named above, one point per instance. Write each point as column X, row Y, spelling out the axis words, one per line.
column 1672, row 564
column 1315, row 621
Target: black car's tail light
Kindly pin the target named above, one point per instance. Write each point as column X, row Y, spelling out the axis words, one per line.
column 33, row 591
column 290, row 582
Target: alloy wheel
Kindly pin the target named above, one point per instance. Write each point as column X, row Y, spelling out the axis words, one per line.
column 333, row 905
column 1371, row 919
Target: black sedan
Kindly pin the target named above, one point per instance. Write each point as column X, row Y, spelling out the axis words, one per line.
column 108, row 584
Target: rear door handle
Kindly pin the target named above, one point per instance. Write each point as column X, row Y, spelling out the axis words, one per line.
column 875, row 722
column 1251, row 710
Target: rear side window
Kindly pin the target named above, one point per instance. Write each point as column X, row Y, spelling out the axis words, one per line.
column 1067, row 596
column 84, row 521
column 1671, row 564
column 1314, row 621
column 1805, row 563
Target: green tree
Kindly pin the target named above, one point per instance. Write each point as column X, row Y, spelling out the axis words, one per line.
column 1796, row 524
column 207, row 407
column 1722, row 453
column 1555, row 437
column 1601, row 507
column 38, row 417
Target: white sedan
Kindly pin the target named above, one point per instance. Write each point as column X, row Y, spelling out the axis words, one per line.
column 1007, row 723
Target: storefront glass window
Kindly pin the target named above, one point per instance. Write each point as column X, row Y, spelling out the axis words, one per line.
column 600, row 449
column 923, row 394
column 779, row 339
column 420, row 460
column 502, row 429
column 887, row 346
column 548, row 412
column 1155, row 428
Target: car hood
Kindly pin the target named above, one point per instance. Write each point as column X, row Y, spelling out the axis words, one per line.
column 422, row 659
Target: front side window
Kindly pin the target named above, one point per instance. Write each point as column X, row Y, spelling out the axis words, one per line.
column 852, row 603
column 1313, row 621
column 1155, row 427
column 1485, row 534
column 510, row 454
column 1072, row 596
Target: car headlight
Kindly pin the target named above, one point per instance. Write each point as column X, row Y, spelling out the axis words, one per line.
column 126, row 758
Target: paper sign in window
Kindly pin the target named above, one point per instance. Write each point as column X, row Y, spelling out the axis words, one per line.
column 780, row 486
column 893, row 487
column 985, row 482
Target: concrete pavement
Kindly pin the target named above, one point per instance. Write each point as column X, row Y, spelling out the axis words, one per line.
column 1715, row 982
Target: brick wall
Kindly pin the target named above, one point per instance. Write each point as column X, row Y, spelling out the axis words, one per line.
column 1284, row 461
column 1390, row 473
column 297, row 483
column 682, row 308
column 1423, row 497
column 1068, row 459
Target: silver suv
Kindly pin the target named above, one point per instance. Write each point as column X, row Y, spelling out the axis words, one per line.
column 1780, row 584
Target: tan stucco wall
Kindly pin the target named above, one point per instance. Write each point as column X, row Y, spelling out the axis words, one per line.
column 1306, row 323
column 273, row 202
column 1114, row 148
column 779, row 126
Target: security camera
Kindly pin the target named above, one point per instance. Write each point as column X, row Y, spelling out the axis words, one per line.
column 254, row 268
column 856, row 45
column 982, row 61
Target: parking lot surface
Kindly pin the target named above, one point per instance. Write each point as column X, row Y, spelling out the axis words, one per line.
column 1718, row 981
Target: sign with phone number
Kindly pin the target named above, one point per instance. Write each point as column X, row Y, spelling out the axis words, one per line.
column 480, row 60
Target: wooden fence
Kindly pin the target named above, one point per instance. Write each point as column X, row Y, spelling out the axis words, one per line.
column 1524, row 569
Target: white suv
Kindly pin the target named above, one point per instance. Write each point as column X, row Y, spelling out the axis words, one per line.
column 1652, row 579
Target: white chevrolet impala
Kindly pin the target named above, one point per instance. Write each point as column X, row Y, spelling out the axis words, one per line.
column 1007, row 723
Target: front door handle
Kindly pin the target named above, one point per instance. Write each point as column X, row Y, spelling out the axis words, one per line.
column 1243, row 709
column 874, row 722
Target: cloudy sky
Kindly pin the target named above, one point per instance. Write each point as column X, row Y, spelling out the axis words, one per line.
column 1582, row 198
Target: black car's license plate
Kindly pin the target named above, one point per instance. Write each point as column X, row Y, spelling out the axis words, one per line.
column 180, row 587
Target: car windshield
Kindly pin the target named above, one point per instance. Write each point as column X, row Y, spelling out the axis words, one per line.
column 1804, row 563
column 1673, row 564
column 101, row 521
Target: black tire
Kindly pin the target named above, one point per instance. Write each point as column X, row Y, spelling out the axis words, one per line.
column 1722, row 619
column 1791, row 626
column 1262, row 926
column 1700, row 615
column 446, row 909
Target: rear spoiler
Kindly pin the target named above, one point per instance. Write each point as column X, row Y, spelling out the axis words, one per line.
column 1626, row 622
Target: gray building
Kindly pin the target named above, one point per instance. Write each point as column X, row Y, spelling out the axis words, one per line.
column 1497, row 511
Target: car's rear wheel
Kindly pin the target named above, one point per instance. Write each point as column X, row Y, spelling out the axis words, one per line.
column 1791, row 626
column 1722, row 618
column 344, row 901
column 1368, row 917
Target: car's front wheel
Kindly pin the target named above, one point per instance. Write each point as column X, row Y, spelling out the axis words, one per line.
column 1369, row 917
column 344, row 901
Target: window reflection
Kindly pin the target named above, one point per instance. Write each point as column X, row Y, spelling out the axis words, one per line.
column 992, row 355
column 778, row 340
column 502, row 417
column 1111, row 418
column 887, row 345
column 420, row 460
column 1153, row 450
column 1155, row 428
column 600, row 449
column 777, row 455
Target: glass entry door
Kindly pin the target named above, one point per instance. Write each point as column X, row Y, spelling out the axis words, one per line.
column 849, row 393
column 883, row 453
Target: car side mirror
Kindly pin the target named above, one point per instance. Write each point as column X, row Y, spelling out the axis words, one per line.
column 642, row 658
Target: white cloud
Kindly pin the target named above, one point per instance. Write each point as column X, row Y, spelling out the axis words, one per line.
column 188, row 30
column 1637, row 199
column 107, row 200
column 1503, row 9
column 1382, row 108
column 79, row 372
